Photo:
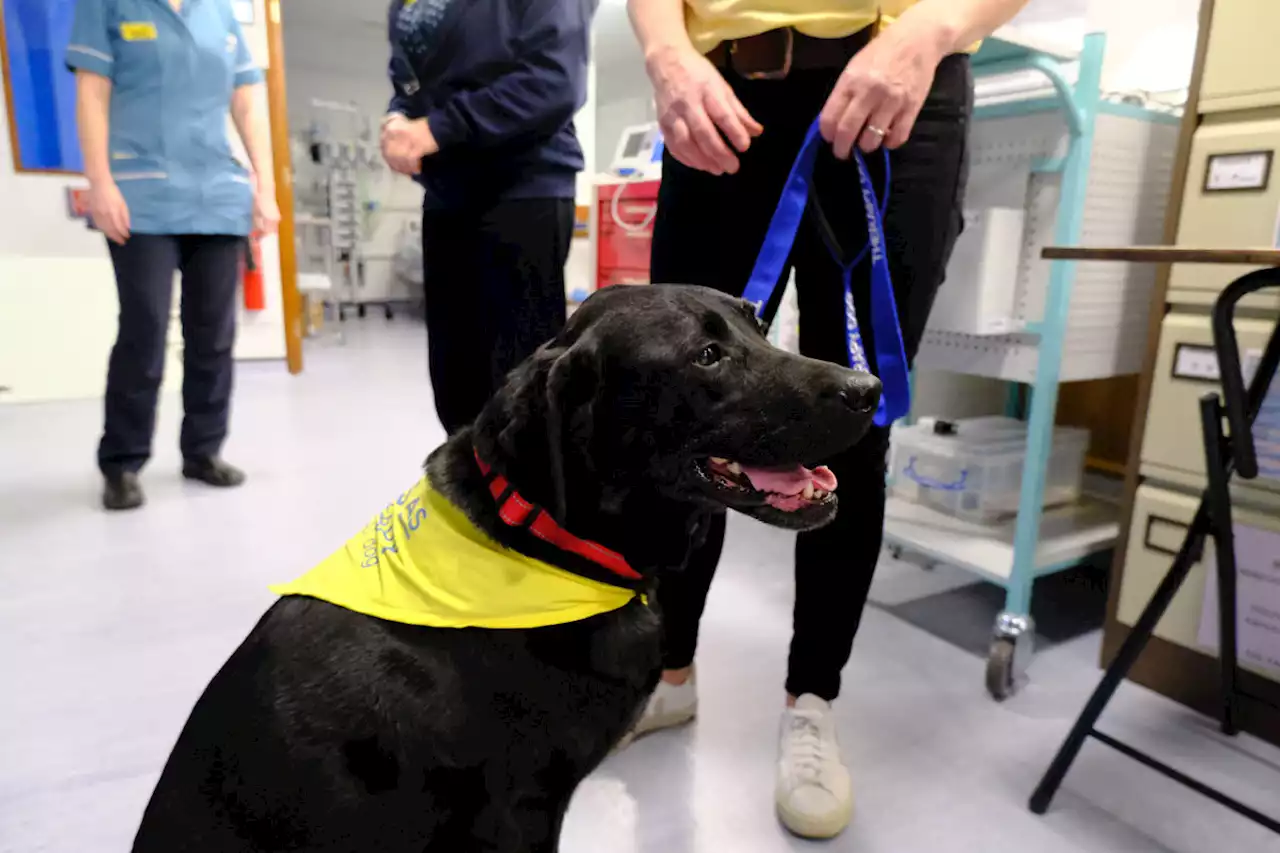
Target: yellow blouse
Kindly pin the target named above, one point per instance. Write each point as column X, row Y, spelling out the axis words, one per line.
column 712, row 21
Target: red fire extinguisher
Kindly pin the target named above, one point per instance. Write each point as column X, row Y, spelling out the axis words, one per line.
column 255, row 298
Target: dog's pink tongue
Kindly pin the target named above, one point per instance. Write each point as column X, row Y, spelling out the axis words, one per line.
column 791, row 481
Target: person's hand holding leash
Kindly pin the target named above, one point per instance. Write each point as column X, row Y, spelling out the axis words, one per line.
column 879, row 95
column 695, row 106
column 405, row 142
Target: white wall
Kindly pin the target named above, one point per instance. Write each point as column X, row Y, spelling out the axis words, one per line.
column 1150, row 43
column 585, row 123
column 578, row 274
column 624, row 96
column 57, row 293
column 260, row 334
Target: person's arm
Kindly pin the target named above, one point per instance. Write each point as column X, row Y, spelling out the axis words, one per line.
column 255, row 132
column 401, row 105
column 879, row 96
column 107, row 207
column 404, row 137
column 530, row 101
column 93, row 108
column 659, row 26
column 695, row 104
column 402, row 102
column 91, row 58
column 254, row 129
column 960, row 23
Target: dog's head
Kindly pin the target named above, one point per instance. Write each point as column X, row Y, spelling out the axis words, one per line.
column 674, row 391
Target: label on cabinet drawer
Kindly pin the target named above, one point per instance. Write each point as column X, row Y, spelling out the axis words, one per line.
column 1244, row 170
column 1200, row 361
column 1257, row 596
column 1194, row 361
column 1266, row 426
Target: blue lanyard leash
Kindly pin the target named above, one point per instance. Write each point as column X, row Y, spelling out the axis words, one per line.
column 891, row 360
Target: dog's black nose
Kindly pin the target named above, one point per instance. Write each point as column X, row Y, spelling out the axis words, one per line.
column 861, row 393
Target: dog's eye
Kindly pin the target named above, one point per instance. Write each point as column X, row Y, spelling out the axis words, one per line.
column 710, row 355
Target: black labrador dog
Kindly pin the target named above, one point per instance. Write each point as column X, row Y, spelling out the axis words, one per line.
column 329, row 730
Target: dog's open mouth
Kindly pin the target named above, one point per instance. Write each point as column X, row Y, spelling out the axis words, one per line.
column 788, row 488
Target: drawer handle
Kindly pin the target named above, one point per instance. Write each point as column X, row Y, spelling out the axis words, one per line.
column 915, row 476
column 1156, row 523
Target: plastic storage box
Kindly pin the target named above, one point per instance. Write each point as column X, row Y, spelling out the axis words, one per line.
column 972, row 468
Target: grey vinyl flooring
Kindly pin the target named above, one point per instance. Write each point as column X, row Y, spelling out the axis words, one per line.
column 110, row 625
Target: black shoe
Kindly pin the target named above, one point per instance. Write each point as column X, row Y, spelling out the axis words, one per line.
column 213, row 472
column 122, row 491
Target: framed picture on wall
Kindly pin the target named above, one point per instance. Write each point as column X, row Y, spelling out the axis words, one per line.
column 39, row 92
column 244, row 10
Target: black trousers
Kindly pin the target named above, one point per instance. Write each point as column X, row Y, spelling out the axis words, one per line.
column 144, row 267
column 707, row 231
column 494, row 287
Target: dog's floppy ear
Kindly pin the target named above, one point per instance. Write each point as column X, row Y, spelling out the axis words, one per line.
column 571, row 390
column 545, row 407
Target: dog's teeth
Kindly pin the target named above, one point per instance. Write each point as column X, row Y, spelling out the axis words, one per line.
column 819, row 494
column 718, row 460
column 808, row 492
column 734, row 468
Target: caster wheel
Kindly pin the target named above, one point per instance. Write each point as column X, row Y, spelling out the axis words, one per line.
column 360, row 312
column 1000, row 674
column 388, row 312
column 342, row 314
column 895, row 552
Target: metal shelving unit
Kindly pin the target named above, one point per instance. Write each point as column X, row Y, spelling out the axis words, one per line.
column 1036, row 542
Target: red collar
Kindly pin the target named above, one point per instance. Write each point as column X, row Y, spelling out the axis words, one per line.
column 518, row 512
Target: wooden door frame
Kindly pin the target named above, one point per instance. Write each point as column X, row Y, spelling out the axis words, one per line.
column 282, row 160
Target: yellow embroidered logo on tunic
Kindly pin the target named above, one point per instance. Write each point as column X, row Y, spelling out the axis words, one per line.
column 422, row 562
column 138, row 31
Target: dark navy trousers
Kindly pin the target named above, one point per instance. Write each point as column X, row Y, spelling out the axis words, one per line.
column 144, row 268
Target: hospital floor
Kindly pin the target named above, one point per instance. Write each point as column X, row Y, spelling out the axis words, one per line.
column 110, row 626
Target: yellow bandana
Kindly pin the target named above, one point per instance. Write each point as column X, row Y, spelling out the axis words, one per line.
column 422, row 562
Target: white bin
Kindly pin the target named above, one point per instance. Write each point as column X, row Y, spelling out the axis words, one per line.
column 972, row 468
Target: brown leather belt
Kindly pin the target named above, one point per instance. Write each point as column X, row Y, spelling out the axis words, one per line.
column 775, row 54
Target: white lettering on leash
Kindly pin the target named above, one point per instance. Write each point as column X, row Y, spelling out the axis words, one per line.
column 857, row 356
column 873, row 225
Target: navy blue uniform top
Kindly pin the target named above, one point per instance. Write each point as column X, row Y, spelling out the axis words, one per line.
column 172, row 75
column 498, row 82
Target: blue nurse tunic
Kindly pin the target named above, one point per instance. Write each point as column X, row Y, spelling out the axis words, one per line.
column 173, row 74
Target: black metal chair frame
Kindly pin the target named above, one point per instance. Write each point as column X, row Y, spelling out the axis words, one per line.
column 1224, row 456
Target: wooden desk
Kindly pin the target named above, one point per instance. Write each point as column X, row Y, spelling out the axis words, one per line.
column 1163, row 255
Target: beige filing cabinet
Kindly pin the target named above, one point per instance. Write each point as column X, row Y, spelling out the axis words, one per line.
column 1187, row 367
column 1239, row 70
column 1160, row 521
column 1232, row 201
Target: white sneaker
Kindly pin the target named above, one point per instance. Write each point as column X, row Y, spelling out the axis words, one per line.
column 670, row 705
column 814, row 793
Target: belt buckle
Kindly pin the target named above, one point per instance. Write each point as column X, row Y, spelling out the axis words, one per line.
column 778, row 73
